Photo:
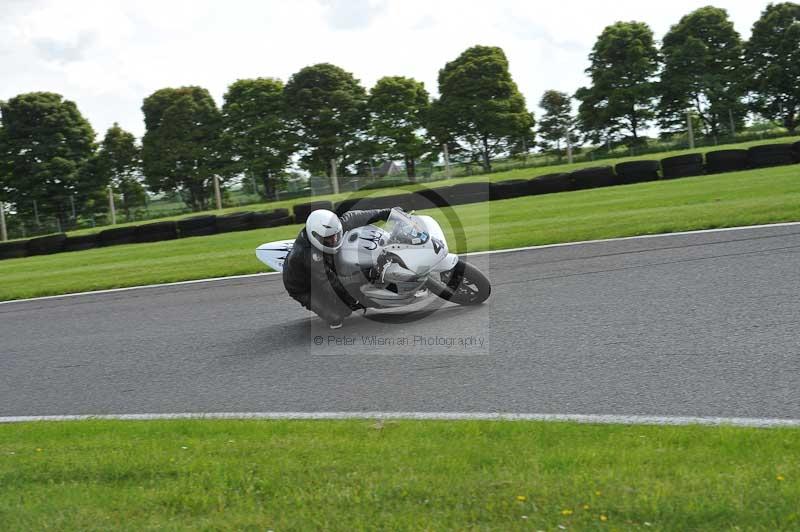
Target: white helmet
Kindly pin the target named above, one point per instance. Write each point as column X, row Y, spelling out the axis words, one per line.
column 324, row 230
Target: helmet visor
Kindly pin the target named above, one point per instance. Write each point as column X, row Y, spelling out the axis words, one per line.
column 328, row 241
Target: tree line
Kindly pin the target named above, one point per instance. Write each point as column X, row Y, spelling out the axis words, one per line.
column 324, row 120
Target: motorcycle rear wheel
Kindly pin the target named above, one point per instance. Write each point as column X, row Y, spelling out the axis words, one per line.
column 463, row 285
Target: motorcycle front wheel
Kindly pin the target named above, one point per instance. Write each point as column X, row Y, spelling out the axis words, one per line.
column 463, row 285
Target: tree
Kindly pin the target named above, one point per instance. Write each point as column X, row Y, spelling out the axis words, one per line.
column 703, row 70
column 773, row 61
column 328, row 108
column 557, row 124
column 256, row 133
column 119, row 165
column 181, row 147
column 624, row 61
column 398, row 107
column 46, row 142
column 480, row 111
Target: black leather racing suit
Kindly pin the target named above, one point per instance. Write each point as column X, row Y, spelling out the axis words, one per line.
column 306, row 267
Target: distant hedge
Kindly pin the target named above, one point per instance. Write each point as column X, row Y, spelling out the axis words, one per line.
column 687, row 165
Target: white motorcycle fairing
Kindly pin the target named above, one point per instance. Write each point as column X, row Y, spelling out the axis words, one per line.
column 273, row 254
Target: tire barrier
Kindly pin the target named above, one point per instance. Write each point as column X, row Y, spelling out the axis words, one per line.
column 549, row 184
column 682, row 166
column 197, row 226
column 721, row 161
column 302, row 210
column 601, row 176
column 264, row 219
column 81, row 242
column 46, row 245
column 512, row 188
column 637, row 172
column 462, row 193
column 117, row 236
column 156, row 232
column 13, row 250
column 770, row 155
column 235, row 221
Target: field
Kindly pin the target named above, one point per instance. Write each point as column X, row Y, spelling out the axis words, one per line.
column 742, row 198
column 395, row 475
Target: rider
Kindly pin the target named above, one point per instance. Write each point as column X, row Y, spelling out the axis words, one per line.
column 310, row 263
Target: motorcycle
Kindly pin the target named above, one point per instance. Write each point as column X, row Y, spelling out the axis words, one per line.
column 400, row 264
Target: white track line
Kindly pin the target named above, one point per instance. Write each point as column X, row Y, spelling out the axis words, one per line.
column 476, row 253
column 575, row 418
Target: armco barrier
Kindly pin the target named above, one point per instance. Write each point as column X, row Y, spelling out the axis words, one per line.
column 156, row 232
column 81, row 242
column 197, row 226
column 682, row 166
column 302, row 210
column 721, row 161
column 46, row 245
column 636, row 172
column 770, row 155
column 117, row 236
column 13, row 250
column 596, row 177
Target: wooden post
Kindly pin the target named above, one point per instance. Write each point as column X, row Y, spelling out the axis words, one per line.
column 36, row 213
column 690, row 129
column 570, row 159
column 217, row 193
column 334, row 179
column 3, row 232
column 111, row 208
column 733, row 124
column 446, row 161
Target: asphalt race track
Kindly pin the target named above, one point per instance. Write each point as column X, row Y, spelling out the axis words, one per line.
column 682, row 325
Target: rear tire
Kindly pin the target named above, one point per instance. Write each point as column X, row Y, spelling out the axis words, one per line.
column 463, row 285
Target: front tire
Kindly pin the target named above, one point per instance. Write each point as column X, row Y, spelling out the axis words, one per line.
column 463, row 285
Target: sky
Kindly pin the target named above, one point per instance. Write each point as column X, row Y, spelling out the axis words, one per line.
column 108, row 55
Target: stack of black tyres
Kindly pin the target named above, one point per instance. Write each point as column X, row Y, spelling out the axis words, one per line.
column 796, row 148
column 46, row 245
column 549, row 184
column 431, row 197
column 156, row 232
column 636, row 172
column 302, row 210
column 197, row 226
column 770, row 155
column 721, row 161
column 81, row 242
column 601, row 176
column 13, row 250
column 347, row 205
column 264, row 219
column 682, row 166
column 465, row 193
column 235, row 221
column 508, row 189
column 117, row 236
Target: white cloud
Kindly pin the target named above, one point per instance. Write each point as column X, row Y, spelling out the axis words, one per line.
column 108, row 55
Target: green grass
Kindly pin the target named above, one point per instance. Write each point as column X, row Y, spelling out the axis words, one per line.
column 520, row 173
column 396, row 475
column 743, row 198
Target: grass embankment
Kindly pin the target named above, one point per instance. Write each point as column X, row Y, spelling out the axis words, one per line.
column 396, row 475
column 743, row 198
column 520, row 173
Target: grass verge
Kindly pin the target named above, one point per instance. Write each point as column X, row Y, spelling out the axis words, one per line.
column 396, row 475
column 725, row 200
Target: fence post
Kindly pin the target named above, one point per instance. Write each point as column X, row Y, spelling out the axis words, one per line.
column 690, row 129
column 733, row 124
column 3, row 232
column 446, row 161
column 334, row 179
column 570, row 159
column 111, row 208
column 217, row 193
column 36, row 213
